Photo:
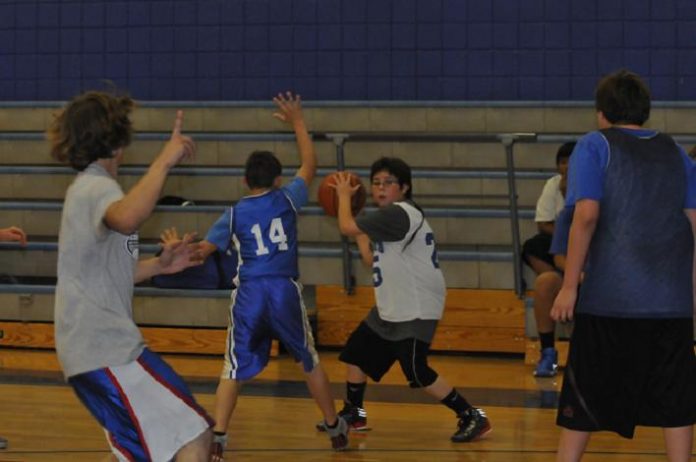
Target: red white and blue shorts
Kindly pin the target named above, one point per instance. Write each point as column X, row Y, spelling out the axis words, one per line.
column 145, row 408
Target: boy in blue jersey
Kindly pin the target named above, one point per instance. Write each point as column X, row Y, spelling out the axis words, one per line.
column 268, row 299
column 631, row 360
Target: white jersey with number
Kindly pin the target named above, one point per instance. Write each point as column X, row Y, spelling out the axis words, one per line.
column 408, row 282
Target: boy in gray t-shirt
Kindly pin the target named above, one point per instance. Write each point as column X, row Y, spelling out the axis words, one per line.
column 410, row 295
column 144, row 407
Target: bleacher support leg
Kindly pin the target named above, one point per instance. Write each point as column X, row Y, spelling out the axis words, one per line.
column 509, row 142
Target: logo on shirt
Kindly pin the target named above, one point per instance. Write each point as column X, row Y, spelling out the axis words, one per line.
column 132, row 245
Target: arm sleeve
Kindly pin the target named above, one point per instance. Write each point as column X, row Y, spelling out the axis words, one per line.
column 296, row 191
column 546, row 205
column 690, row 167
column 587, row 166
column 220, row 233
column 109, row 192
column 561, row 232
column 389, row 224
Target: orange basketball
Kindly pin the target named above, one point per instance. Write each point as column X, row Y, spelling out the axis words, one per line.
column 328, row 199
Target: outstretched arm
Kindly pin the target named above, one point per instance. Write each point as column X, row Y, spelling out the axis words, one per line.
column 290, row 112
column 176, row 255
column 171, row 236
column 127, row 214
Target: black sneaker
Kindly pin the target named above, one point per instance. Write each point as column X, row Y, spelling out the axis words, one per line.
column 355, row 417
column 473, row 425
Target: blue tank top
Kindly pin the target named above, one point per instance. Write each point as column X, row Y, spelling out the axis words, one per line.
column 641, row 254
column 264, row 230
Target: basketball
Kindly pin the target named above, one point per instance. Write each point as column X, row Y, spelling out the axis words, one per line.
column 328, row 199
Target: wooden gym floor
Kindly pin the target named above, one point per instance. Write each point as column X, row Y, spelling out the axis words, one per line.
column 274, row 421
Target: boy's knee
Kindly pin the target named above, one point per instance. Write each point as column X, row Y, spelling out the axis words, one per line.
column 548, row 283
column 420, row 375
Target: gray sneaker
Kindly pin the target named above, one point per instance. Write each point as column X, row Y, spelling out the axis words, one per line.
column 355, row 417
column 3, row 443
column 338, row 435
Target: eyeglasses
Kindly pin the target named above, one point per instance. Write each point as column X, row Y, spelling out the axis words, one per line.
column 386, row 182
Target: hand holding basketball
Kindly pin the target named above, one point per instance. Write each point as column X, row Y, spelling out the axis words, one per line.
column 343, row 184
column 335, row 184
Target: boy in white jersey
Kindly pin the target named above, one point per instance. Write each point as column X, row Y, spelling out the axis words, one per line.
column 410, row 293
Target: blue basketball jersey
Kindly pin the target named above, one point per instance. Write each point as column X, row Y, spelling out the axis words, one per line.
column 264, row 230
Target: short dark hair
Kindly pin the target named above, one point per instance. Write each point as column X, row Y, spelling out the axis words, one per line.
column 565, row 151
column 92, row 126
column 623, row 98
column 396, row 167
column 261, row 169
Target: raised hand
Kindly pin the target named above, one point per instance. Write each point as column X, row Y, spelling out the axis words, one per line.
column 289, row 108
column 179, row 147
column 13, row 233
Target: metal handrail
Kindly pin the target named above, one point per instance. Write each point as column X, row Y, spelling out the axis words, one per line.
column 508, row 140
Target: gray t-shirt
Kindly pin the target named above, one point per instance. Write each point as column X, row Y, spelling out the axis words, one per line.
column 94, row 325
column 387, row 224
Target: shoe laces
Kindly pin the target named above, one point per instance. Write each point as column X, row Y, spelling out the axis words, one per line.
column 471, row 418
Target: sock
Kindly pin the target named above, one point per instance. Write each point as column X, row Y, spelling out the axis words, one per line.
column 456, row 402
column 547, row 339
column 331, row 426
column 220, row 437
column 355, row 393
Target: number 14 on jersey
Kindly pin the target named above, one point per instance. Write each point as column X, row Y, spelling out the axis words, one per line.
column 276, row 234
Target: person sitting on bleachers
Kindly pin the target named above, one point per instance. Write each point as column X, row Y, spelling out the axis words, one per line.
column 546, row 287
column 535, row 250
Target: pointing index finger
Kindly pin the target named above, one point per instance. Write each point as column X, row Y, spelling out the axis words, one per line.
column 178, row 123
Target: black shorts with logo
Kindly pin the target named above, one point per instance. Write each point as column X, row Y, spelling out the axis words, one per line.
column 624, row 372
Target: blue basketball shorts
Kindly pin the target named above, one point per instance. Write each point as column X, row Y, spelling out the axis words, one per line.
column 262, row 309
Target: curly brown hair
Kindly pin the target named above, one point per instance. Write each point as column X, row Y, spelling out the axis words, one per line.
column 92, row 126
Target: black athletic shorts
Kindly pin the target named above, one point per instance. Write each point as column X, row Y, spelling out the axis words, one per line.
column 624, row 372
column 375, row 355
column 538, row 246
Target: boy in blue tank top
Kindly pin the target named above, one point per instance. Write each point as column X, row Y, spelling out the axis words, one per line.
column 267, row 301
column 631, row 360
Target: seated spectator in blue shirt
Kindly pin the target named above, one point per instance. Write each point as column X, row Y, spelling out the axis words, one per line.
column 546, row 287
column 535, row 250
